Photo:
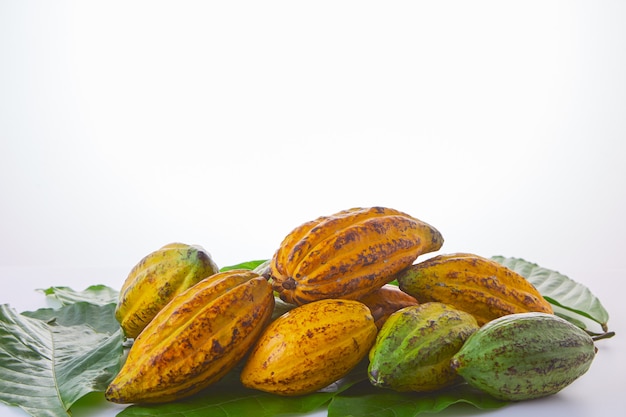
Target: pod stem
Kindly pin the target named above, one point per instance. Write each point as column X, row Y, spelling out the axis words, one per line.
column 601, row 336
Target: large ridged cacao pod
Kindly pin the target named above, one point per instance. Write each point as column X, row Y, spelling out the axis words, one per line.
column 415, row 345
column 156, row 279
column 471, row 283
column 348, row 254
column 525, row 356
column 310, row 347
column 195, row 339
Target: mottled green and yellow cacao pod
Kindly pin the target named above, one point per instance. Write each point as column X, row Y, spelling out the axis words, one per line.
column 524, row 356
column 195, row 339
column 348, row 254
column 413, row 349
column 310, row 347
column 471, row 283
column 385, row 301
column 156, row 279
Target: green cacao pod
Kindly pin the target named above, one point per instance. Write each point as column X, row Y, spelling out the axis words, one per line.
column 195, row 339
column 156, row 279
column 413, row 349
column 524, row 356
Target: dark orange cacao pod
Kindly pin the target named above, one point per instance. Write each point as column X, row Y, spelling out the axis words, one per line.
column 385, row 301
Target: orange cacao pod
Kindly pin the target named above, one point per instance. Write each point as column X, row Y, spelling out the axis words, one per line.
column 348, row 254
column 310, row 347
column 385, row 301
column 477, row 285
column 195, row 339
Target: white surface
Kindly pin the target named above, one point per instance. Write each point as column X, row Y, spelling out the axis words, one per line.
column 128, row 125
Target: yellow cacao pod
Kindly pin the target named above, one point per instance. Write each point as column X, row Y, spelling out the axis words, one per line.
column 195, row 339
column 156, row 279
column 477, row 285
column 348, row 254
column 310, row 347
column 385, row 301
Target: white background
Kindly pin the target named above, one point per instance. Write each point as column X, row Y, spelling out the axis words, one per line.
column 128, row 125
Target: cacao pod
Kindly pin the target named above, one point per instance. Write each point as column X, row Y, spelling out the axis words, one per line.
column 195, row 339
column 386, row 300
column 310, row 347
column 348, row 254
column 413, row 349
column 156, row 279
column 524, row 356
column 471, row 283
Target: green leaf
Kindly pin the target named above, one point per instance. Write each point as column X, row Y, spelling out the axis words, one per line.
column 241, row 402
column 51, row 358
column 94, row 294
column 229, row 398
column 244, row 265
column 368, row 401
column 574, row 299
column 99, row 318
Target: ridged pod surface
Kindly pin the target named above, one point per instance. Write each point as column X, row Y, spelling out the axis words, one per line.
column 471, row 283
column 348, row 254
column 525, row 356
column 310, row 347
column 385, row 301
column 195, row 339
column 413, row 349
column 156, row 279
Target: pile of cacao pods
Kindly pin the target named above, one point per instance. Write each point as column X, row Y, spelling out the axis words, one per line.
column 324, row 304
